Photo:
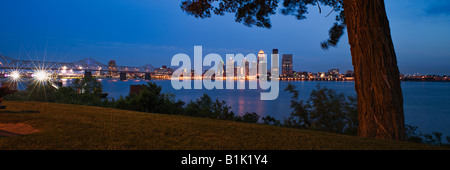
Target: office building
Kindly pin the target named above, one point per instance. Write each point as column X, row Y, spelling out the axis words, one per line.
column 286, row 65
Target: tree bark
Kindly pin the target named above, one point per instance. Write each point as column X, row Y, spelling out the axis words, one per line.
column 377, row 78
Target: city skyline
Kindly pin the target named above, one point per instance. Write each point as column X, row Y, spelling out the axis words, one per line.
column 149, row 32
column 86, row 66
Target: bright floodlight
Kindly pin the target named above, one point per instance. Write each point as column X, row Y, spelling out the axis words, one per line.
column 41, row 75
column 15, row 75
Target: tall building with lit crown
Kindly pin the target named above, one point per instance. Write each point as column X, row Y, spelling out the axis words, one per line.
column 261, row 59
column 286, row 65
column 261, row 56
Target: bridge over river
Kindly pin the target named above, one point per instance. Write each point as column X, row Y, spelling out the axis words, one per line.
column 87, row 65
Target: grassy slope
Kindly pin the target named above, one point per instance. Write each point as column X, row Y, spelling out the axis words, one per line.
column 82, row 127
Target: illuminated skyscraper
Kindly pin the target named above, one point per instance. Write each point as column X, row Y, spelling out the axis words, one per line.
column 275, row 58
column 286, row 65
column 261, row 59
column 220, row 69
column 230, row 72
column 245, row 67
column 261, row 56
column 253, row 71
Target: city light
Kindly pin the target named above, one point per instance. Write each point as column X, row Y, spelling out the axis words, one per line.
column 41, row 75
column 15, row 76
column 64, row 69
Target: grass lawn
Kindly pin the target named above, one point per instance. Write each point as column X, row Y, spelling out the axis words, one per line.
column 63, row 126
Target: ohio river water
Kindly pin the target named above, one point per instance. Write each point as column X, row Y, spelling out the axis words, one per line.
column 426, row 104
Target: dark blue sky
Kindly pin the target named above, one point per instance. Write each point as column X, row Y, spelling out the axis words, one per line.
column 150, row 32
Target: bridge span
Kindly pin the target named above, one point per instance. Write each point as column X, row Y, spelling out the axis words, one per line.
column 87, row 65
column 81, row 65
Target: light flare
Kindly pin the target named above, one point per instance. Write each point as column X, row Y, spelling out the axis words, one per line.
column 15, row 76
column 41, row 75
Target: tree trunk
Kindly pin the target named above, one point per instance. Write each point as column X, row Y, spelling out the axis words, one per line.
column 377, row 78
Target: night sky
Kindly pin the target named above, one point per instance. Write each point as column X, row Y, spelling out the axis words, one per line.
column 142, row 32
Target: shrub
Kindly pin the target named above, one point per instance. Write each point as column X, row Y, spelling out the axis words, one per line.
column 150, row 99
column 248, row 118
column 269, row 120
column 325, row 111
